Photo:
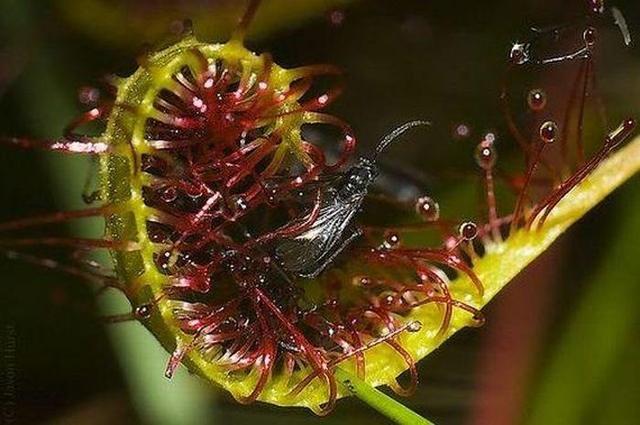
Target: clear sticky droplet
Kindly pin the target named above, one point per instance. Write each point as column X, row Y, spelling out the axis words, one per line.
column 549, row 132
column 142, row 311
column 519, row 53
column 414, row 326
column 391, row 240
column 486, row 154
column 240, row 203
column 461, row 131
column 590, row 36
column 336, row 17
column 89, row 96
column 596, row 6
column 428, row 208
column 537, row 99
column 169, row 194
column 468, row 230
column 365, row 281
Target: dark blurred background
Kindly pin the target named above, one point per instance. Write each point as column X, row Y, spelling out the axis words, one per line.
column 562, row 342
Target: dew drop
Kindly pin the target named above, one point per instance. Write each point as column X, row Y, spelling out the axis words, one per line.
column 468, row 230
column 90, row 198
column 336, row 17
column 194, row 192
column 485, row 154
column 391, row 240
column 332, row 302
column 271, row 193
column 461, row 131
column 272, row 196
column 365, row 281
column 428, row 208
column 229, row 260
column 270, row 189
column 142, row 312
column 162, row 260
column 589, row 36
column 331, row 329
column 549, row 132
column 89, row 96
column 153, row 165
column 519, row 53
column 158, row 232
column 198, row 103
column 596, row 6
column 414, row 326
column 629, row 124
column 537, row 99
column 169, row 194
column 240, row 203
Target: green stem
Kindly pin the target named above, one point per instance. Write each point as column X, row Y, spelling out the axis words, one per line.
column 378, row 400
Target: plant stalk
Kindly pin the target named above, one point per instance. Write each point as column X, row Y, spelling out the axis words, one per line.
column 379, row 401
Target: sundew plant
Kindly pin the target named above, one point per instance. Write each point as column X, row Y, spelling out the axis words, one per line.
column 284, row 256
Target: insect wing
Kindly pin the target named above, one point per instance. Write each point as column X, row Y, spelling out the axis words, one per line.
column 303, row 253
column 308, row 191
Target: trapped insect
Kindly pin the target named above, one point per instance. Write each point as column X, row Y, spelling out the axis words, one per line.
column 216, row 206
column 328, row 229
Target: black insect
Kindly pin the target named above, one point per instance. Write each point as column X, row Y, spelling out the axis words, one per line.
column 309, row 252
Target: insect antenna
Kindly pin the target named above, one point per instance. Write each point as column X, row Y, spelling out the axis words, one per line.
column 391, row 137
